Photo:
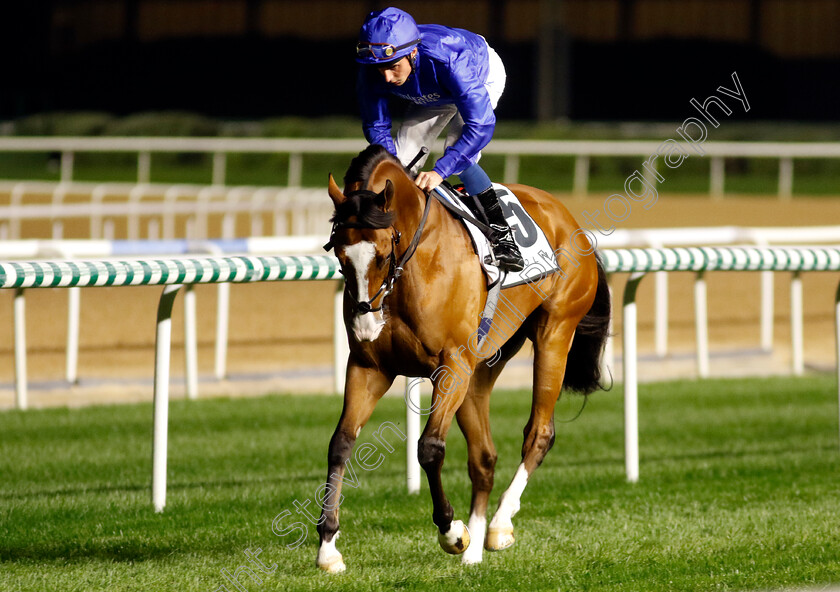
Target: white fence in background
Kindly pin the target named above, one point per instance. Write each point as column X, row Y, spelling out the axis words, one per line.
column 292, row 211
column 722, row 236
column 512, row 150
column 298, row 211
column 301, row 245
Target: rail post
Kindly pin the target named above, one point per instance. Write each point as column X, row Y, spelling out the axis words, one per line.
column 66, row 166
column 701, row 324
column 222, row 323
column 511, row 172
column 660, row 320
column 837, row 338
column 144, row 167
column 295, row 169
column 341, row 350
column 219, row 168
column 580, row 185
column 796, row 340
column 785, row 178
column 190, row 343
column 163, row 348
column 73, row 311
column 21, row 401
column 717, row 170
column 412, row 464
column 631, row 379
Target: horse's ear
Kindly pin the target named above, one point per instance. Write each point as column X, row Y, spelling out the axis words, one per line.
column 336, row 194
column 386, row 196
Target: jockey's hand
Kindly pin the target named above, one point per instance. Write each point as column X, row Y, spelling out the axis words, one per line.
column 428, row 180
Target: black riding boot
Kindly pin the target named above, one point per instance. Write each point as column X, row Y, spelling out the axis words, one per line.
column 504, row 248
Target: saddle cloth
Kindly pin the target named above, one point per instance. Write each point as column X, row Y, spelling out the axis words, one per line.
column 529, row 237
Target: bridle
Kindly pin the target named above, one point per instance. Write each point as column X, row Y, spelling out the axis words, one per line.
column 395, row 266
column 387, row 285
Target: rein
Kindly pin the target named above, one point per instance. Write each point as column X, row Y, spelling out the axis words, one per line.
column 395, row 268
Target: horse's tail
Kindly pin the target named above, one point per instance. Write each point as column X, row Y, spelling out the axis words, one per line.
column 583, row 366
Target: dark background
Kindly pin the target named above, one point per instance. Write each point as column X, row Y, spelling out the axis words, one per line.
column 614, row 72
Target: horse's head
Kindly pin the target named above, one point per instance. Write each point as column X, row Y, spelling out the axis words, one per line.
column 365, row 241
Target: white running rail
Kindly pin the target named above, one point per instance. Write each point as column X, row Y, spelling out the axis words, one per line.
column 582, row 150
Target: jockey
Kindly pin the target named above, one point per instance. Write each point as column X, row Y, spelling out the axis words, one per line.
column 449, row 76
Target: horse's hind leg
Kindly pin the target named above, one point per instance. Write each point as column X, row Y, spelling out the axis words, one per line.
column 474, row 419
column 551, row 347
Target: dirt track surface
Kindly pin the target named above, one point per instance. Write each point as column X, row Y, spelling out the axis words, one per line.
column 281, row 333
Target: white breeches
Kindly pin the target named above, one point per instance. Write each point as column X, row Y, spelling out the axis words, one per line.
column 423, row 124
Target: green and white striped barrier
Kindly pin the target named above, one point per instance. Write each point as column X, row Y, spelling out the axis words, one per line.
column 244, row 269
column 639, row 262
column 722, row 259
column 165, row 271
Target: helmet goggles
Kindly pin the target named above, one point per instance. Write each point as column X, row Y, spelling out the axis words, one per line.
column 382, row 51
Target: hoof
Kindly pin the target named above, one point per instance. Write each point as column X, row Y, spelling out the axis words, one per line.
column 333, row 565
column 499, row 538
column 329, row 558
column 456, row 540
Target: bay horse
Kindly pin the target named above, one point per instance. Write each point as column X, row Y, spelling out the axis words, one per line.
column 411, row 307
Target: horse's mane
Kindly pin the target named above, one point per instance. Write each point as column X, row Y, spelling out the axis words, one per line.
column 362, row 166
column 361, row 204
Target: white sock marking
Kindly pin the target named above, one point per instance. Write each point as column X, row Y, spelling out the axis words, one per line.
column 509, row 504
column 474, row 553
column 329, row 558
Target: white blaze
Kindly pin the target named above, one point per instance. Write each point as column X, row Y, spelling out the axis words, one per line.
column 366, row 327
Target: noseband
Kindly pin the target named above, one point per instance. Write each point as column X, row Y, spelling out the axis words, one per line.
column 395, row 268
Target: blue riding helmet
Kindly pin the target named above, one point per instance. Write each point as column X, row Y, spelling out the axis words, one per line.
column 386, row 36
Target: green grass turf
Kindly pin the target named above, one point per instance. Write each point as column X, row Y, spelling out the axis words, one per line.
column 738, row 491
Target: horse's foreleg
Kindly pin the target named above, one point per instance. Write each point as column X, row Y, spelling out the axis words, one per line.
column 474, row 419
column 453, row 536
column 549, row 367
column 364, row 387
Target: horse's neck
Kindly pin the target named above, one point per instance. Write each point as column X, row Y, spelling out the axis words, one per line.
column 409, row 204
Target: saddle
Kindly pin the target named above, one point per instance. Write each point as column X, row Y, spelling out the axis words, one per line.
column 530, row 238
